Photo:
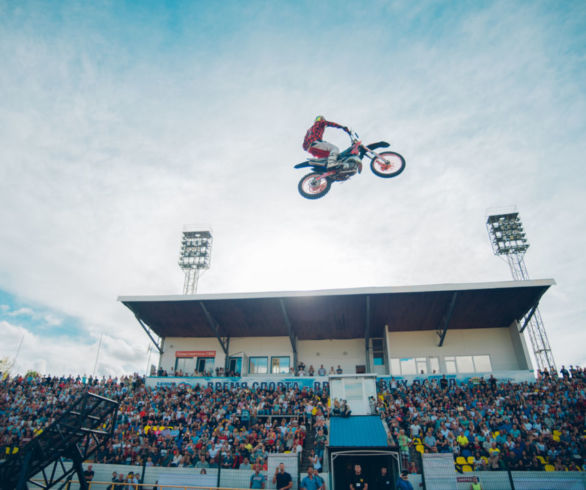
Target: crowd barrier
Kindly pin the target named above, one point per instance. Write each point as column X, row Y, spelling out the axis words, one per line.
column 524, row 480
column 180, row 477
column 191, row 478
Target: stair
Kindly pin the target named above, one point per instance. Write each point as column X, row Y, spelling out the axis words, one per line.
column 307, row 447
column 60, row 448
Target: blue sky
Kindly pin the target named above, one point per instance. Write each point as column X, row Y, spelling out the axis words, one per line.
column 122, row 121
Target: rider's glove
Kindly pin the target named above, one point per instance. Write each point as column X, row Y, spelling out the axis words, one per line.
column 345, row 128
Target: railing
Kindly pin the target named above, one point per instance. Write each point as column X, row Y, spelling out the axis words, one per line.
column 99, row 485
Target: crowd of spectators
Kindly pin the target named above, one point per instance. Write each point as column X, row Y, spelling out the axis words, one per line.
column 490, row 425
column 170, row 426
column 302, row 370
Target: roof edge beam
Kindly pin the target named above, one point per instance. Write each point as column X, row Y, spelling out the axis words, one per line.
column 529, row 316
column 292, row 337
column 147, row 330
column 446, row 320
column 367, row 335
column 531, row 312
column 215, row 328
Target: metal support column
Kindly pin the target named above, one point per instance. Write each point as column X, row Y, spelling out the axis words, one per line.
column 443, row 329
column 224, row 343
column 148, row 332
column 292, row 337
column 367, row 335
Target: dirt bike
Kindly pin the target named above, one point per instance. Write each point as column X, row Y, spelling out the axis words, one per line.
column 317, row 184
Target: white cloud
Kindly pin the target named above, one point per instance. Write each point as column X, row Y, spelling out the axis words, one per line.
column 108, row 149
column 48, row 355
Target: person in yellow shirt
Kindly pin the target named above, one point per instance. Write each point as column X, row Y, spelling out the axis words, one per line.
column 462, row 440
column 475, row 485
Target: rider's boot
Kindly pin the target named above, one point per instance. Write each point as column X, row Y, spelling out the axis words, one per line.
column 333, row 160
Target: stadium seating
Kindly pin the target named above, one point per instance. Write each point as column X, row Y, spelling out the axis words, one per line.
column 537, row 426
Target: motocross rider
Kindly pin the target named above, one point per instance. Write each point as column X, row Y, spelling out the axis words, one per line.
column 314, row 144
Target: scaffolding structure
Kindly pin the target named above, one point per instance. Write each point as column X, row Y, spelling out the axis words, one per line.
column 195, row 256
column 508, row 239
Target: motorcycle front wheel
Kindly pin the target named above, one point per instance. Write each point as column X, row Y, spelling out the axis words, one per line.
column 314, row 186
column 392, row 167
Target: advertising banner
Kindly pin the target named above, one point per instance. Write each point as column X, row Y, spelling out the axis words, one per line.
column 247, row 382
column 195, row 353
column 322, row 382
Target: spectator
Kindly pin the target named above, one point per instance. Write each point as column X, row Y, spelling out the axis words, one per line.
column 321, row 371
column 257, row 480
column 403, row 482
column 384, row 481
column 358, row 480
column 88, row 474
column 310, row 482
column 281, row 478
column 339, row 370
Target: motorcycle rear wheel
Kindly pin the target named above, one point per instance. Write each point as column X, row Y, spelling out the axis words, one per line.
column 395, row 166
column 314, row 186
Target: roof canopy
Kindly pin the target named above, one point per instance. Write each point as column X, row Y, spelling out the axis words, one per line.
column 340, row 313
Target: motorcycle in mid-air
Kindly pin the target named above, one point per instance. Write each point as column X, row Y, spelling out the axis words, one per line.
column 317, row 184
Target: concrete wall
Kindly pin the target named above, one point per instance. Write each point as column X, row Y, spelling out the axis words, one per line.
column 520, row 346
column 347, row 353
column 495, row 342
column 505, row 346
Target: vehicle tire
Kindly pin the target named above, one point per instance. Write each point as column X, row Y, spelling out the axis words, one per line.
column 395, row 166
column 314, row 186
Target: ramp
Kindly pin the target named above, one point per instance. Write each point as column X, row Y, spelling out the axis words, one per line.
column 83, row 427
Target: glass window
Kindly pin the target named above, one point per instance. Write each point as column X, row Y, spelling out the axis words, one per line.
column 450, row 365
column 434, row 365
column 378, row 354
column 421, row 365
column 408, row 366
column 205, row 365
column 185, row 364
column 464, row 364
column 482, row 364
column 258, row 365
column 280, row 365
column 395, row 367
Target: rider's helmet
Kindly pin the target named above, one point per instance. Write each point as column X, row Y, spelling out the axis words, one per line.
column 319, row 118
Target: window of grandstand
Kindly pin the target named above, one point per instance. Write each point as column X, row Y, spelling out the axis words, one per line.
column 258, row 365
column 280, row 365
column 430, row 365
column 185, row 364
column 482, row 364
column 434, row 365
column 205, row 364
column 408, row 365
column 378, row 352
column 235, row 365
column 467, row 364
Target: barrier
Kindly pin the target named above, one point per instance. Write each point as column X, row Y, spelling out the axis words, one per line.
column 240, row 479
column 322, row 382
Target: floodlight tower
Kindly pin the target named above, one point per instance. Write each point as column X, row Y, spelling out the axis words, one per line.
column 507, row 238
column 195, row 255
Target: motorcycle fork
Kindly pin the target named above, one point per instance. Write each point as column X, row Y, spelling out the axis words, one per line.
column 372, row 154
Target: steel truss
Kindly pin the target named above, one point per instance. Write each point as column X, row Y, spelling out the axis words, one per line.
column 507, row 238
column 58, row 452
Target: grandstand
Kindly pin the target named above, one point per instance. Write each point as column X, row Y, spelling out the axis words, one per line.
column 433, row 379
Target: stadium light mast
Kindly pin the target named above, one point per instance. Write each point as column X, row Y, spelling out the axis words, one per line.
column 195, row 255
column 508, row 239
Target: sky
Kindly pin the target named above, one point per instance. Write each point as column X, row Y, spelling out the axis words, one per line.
column 120, row 122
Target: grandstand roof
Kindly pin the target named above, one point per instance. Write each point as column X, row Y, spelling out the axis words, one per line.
column 338, row 313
